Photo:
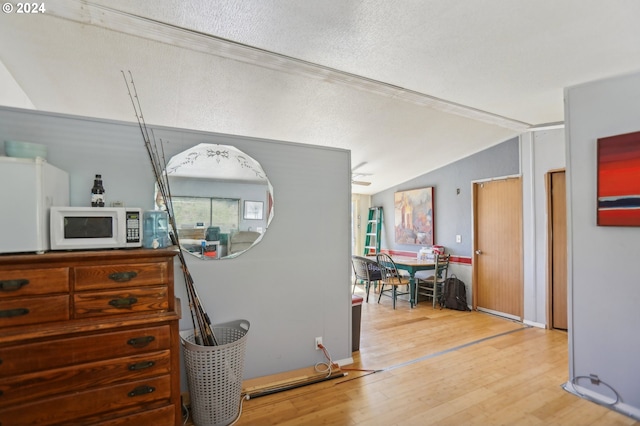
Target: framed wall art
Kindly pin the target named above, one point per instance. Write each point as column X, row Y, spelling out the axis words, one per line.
column 253, row 209
column 618, row 189
column 414, row 216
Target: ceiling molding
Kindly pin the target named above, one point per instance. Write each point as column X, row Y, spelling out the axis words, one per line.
column 547, row 126
column 88, row 13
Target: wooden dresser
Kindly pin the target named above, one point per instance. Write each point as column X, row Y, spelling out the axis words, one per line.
column 89, row 338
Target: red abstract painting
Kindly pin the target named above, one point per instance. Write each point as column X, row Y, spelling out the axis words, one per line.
column 619, row 180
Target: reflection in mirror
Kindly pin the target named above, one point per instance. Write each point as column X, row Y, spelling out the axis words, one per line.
column 222, row 200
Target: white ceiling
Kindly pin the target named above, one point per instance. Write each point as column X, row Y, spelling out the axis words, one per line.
column 406, row 85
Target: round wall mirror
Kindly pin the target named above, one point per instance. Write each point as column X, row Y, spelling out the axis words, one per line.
column 222, row 200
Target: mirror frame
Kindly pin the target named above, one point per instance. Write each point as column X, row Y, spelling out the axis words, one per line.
column 219, row 164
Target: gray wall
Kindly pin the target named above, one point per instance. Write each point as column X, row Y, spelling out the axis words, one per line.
column 542, row 151
column 452, row 211
column 292, row 287
column 604, row 289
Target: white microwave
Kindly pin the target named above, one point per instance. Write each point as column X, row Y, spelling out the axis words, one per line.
column 85, row 228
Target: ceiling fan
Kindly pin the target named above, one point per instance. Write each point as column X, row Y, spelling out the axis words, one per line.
column 355, row 176
column 359, row 182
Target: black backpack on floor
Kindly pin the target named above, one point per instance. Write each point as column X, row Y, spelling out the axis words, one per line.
column 454, row 294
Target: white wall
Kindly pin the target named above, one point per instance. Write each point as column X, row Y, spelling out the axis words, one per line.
column 604, row 289
column 360, row 217
column 292, row 287
column 541, row 152
column 12, row 93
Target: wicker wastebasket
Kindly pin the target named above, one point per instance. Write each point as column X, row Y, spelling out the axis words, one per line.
column 214, row 373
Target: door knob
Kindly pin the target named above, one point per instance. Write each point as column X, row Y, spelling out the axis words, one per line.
column 478, row 251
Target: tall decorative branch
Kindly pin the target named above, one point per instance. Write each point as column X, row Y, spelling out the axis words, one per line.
column 203, row 332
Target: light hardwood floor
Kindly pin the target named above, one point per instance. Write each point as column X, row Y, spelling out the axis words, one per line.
column 440, row 367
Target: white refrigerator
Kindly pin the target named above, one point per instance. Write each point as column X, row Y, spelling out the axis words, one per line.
column 28, row 188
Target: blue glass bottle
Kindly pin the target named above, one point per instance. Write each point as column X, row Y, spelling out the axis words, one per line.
column 155, row 229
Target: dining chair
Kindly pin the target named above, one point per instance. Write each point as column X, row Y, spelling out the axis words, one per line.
column 431, row 286
column 391, row 277
column 366, row 270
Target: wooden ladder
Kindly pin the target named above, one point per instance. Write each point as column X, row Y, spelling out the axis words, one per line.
column 374, row 227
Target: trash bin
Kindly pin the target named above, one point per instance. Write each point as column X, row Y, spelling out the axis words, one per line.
column 214, row 373
column 356, row 315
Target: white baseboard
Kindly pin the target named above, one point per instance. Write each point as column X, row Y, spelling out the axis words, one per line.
column 534, row 324
column 620, row 407
column 500, row 314
column 345, row 361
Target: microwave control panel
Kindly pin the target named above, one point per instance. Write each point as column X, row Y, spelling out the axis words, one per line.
column 133, row 226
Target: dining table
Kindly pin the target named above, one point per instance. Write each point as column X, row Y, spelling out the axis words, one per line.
column 412, row 265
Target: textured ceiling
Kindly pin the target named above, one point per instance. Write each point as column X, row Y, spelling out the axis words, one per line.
column 407, row 86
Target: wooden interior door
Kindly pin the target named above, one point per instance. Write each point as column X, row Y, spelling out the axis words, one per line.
column 558, row 252
column 498, row 282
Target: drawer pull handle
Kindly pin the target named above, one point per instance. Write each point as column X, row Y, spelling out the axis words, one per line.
column 140, row 342
column 123, row 302
column 13, row 285
column 121, row 277
column 141, row 365
column 10, row 313
column 141, row 390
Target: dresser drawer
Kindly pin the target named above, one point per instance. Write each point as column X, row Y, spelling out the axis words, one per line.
column 118, row 302
column 123, row 275
column 32, row 357
column 32, row 310
column 22, row 282
column 35, row 386
column 70, row 408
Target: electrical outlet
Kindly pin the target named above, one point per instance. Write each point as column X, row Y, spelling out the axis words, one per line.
column 318, row 343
